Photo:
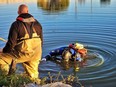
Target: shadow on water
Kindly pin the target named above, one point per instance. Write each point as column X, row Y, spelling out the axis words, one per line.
column 53, row 5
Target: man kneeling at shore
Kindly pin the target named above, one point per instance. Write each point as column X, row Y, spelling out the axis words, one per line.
column 24, row 43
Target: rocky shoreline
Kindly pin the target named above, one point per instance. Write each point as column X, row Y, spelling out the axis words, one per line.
column 56, row 84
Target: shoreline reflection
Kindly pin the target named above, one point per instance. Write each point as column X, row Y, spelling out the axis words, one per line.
column 81, row 1
column 53, row 5
column 105, row 2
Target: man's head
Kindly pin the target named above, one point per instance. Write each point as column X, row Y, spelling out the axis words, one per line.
column 22, row 9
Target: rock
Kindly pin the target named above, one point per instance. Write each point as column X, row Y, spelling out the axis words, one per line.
column 32, row 85
column 56, row 84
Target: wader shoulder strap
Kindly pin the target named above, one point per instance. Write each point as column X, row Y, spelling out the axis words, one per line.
column 31, row 29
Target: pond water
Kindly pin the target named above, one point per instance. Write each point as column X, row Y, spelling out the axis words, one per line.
column 90, row 22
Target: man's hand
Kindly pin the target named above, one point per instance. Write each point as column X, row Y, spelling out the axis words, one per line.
column 43, row 59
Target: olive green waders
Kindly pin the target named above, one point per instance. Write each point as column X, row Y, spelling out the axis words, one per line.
column 29, row 52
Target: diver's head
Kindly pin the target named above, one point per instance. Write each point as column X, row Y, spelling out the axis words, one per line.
column 79, row 47
column 76, row 46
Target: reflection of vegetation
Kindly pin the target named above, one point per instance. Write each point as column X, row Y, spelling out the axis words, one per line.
column 53, row 5
column 105, row 2
column 81, row 1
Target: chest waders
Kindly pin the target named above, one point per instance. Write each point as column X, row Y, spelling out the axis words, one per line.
column 29, row 53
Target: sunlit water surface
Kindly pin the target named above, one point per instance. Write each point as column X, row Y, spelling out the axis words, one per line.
column 90, row 22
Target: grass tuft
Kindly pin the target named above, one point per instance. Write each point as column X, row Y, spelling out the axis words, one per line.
column 20, row 80
column 14, row 80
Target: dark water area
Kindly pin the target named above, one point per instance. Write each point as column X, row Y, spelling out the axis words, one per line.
column 90, row 22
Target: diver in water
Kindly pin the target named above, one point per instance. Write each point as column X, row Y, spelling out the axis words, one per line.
column 74, row 55
column 73, row 52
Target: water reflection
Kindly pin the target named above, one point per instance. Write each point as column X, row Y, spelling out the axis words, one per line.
column 105, row 2
column 81, row 1
column 53, row 5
